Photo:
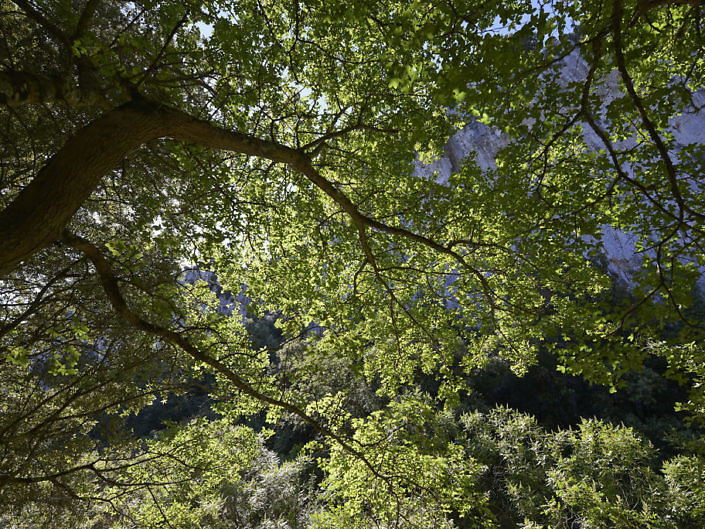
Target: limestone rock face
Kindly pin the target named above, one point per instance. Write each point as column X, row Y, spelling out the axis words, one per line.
column 476, row 141
column 482, row 143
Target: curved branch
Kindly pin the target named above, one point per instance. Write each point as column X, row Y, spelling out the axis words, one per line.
column 645, row 120
column 51, row 28
column 18, row 88
column 39, row 213
column 85, row 18
column 110, row 285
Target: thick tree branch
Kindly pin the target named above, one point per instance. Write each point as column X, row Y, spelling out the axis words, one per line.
column 110, row 285
column 671, row 172
column 38, row 214
column 85, row 19
column 19, row 88
column 51, row 28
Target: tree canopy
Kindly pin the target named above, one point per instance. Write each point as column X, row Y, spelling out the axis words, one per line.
column 172, row 172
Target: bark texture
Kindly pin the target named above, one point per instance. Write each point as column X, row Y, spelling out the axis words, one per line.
column 41, row 210
column 24, row 88
column 19, row 88
column 39, row 213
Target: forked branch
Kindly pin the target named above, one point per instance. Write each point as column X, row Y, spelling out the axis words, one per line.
column 110, row 285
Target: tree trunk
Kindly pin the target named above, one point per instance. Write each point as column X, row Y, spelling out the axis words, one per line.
column 38, row 214
column 40, row 211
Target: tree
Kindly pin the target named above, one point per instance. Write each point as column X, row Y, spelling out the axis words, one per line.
column 274, row 143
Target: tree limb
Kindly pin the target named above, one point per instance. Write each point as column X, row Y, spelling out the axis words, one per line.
column 39, row 213
column 85, row 19
column 645, row 120
column 51, row 28
column 18, row 88
column 110, row 285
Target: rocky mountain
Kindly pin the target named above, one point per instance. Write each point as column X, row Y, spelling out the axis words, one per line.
column 482, row 143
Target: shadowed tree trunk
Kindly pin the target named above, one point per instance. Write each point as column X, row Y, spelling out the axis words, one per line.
column 40, row 211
